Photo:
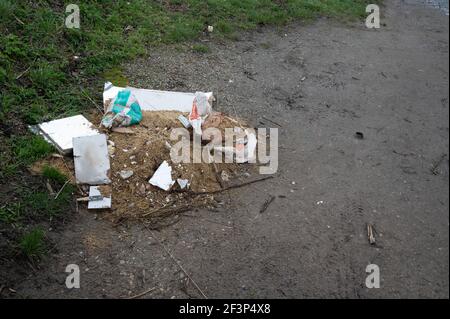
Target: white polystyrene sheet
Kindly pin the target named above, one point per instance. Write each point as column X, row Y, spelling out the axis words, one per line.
column 91, row 160
column 162, row 177
column 61, row 132
column 154, row 100
column 103, row 203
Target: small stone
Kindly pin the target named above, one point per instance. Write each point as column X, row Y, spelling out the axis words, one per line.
column 125, row 174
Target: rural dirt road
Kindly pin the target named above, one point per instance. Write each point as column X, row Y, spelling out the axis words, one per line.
column 321, row 83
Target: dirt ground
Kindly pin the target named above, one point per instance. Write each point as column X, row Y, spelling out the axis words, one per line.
column 321, row 83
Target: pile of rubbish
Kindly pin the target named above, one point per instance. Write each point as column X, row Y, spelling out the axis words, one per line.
column 124, row 164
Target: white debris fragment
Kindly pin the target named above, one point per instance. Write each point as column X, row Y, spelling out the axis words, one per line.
column 153, row 100
column 125, row 174
column 162, row 178
column 183, row 183
column 61, row 132
column 97, row 200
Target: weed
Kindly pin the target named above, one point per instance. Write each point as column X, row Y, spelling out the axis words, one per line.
column 32, row 243
column 53, row 174
column 200, row 48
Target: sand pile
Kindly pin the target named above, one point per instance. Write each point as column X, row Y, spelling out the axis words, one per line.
column 141, row 151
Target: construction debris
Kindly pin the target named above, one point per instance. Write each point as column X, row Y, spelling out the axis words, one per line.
column 124, row 110
column 99, row 197
column 126, row 173
column 138, row 168
column 184, row 121
column 91, row 160
column 266, row 204
column 162, row 178
column 153, row 100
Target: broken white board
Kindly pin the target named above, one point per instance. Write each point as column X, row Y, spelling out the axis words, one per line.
column 154, row 100
column 61, row 132
column 99, row 197
column 183, row 183
column 162, row 178
column 91, row 160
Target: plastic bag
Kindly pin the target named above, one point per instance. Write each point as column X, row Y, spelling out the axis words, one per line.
column 124, row 110
column 201, row 108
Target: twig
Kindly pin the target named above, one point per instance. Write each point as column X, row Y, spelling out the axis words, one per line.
column 226, row 188
column 18, row 20
column 61, row 189
column 90, row 99
column 434, row 168
column 218, row 177
column 370, row 234
column 178, row 264
column 142, row 293
column 271, row 121
column 21, row 74
column 266, row 204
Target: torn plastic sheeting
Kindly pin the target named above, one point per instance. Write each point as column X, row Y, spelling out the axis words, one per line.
column 99, row 197
column 124, row 110
column 154, row 100
column 162, row 177
column 91, row 160
column 61, row 132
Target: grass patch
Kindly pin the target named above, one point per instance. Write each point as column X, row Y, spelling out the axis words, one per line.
column 32, row 243
column 200, row 48
column 53, row 174
column 31, row 205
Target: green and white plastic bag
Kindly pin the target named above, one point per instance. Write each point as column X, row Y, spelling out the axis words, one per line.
column 124, row 110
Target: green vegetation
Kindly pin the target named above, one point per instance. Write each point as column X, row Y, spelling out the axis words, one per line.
column 53, row 174
column 32, row 243
column 36, row 205
column 200, row 48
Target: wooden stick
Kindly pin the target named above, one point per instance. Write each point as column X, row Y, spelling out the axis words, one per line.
column 370, row 234
column 271, row 121
column 61, row 189
column 226, row 188
column 90, row 99
column 21, row 74
column 176, row 261
column 266, row 204
column 218, row 177
column 142, row 293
